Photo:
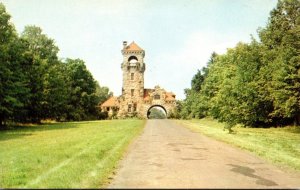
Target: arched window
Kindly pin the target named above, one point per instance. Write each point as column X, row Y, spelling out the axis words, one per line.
column 132, row 59
column 156, row 97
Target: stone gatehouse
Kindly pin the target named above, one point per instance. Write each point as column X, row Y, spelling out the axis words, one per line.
column 135, row 99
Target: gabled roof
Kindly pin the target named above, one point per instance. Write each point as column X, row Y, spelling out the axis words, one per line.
column 110, row 102
column 133, row 47
column 170, row 96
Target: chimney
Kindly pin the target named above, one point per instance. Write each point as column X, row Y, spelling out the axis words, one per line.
column 124, row 44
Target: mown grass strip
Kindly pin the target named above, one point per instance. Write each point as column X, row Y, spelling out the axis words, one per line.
column 278, row 145
column 64, row 155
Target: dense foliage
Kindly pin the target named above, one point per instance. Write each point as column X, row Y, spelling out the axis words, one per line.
column 254, row 84
column 35, row 84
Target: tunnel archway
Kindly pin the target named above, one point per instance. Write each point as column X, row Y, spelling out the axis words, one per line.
column 160, row 107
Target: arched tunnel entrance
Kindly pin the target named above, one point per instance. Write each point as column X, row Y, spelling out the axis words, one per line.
column 157, row 112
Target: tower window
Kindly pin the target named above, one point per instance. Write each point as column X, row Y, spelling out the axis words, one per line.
column 132, row 59
column 129, row 107
column 132, row 76
column 132, row 92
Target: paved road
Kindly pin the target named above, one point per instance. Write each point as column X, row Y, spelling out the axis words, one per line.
column 167, row 155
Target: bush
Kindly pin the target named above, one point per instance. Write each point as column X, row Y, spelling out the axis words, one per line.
column 103, row 115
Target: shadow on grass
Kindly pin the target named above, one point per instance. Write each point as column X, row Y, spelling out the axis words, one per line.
column 20, row 131
column 295, row 129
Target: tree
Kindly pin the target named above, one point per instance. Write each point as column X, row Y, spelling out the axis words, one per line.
column 44, row 75
column 103, row 93
column 40, row 44
column 36, row 85
column 237, row 99
column 176, row 112
column 197, row 81
column 280, row 74
column 12, row 88
column 57, row 89
column 257, row 83
column 195, row 105
column 83, row 98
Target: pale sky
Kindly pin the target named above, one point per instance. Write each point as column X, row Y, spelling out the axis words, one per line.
column 177, row 35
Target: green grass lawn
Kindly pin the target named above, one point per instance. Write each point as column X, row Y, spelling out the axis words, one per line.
column 64, row 155
column 278, row 145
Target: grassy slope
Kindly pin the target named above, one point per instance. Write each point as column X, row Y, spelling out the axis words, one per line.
column 278, row 145
column 68, row 155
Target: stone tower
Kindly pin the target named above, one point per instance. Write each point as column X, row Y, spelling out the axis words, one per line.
column 133, row 68
column 136, row 100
